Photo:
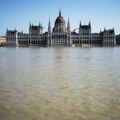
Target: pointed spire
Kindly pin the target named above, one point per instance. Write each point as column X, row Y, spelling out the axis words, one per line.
column 80, row 24
column 30, row 24
column 68, row 21
column 6, row 30
column 68, row 25
column 113, row 30
column 49, row 19
column 104, row 29
column 39, row 24
column 89, row 23
column 49, row 26
column 60, row 12
column 80, row 28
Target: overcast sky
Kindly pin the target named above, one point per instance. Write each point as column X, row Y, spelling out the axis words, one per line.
column 18, row 13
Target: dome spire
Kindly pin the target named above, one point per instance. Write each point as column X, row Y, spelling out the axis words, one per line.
column 60, row 12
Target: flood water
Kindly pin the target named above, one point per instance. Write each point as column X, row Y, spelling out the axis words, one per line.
column 60, row 83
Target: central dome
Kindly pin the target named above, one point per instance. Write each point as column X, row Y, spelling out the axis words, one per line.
column 59, row 24
column 59, row 20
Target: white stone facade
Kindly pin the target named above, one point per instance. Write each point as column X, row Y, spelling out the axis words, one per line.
column 60, row 35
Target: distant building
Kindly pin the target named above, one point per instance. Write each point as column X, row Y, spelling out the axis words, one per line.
column 60, row 34
column 2, row 40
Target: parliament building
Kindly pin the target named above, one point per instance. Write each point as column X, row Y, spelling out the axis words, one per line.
column 60, row 34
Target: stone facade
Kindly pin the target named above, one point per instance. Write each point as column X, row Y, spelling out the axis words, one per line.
column 61, row 35
column 118, row 39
